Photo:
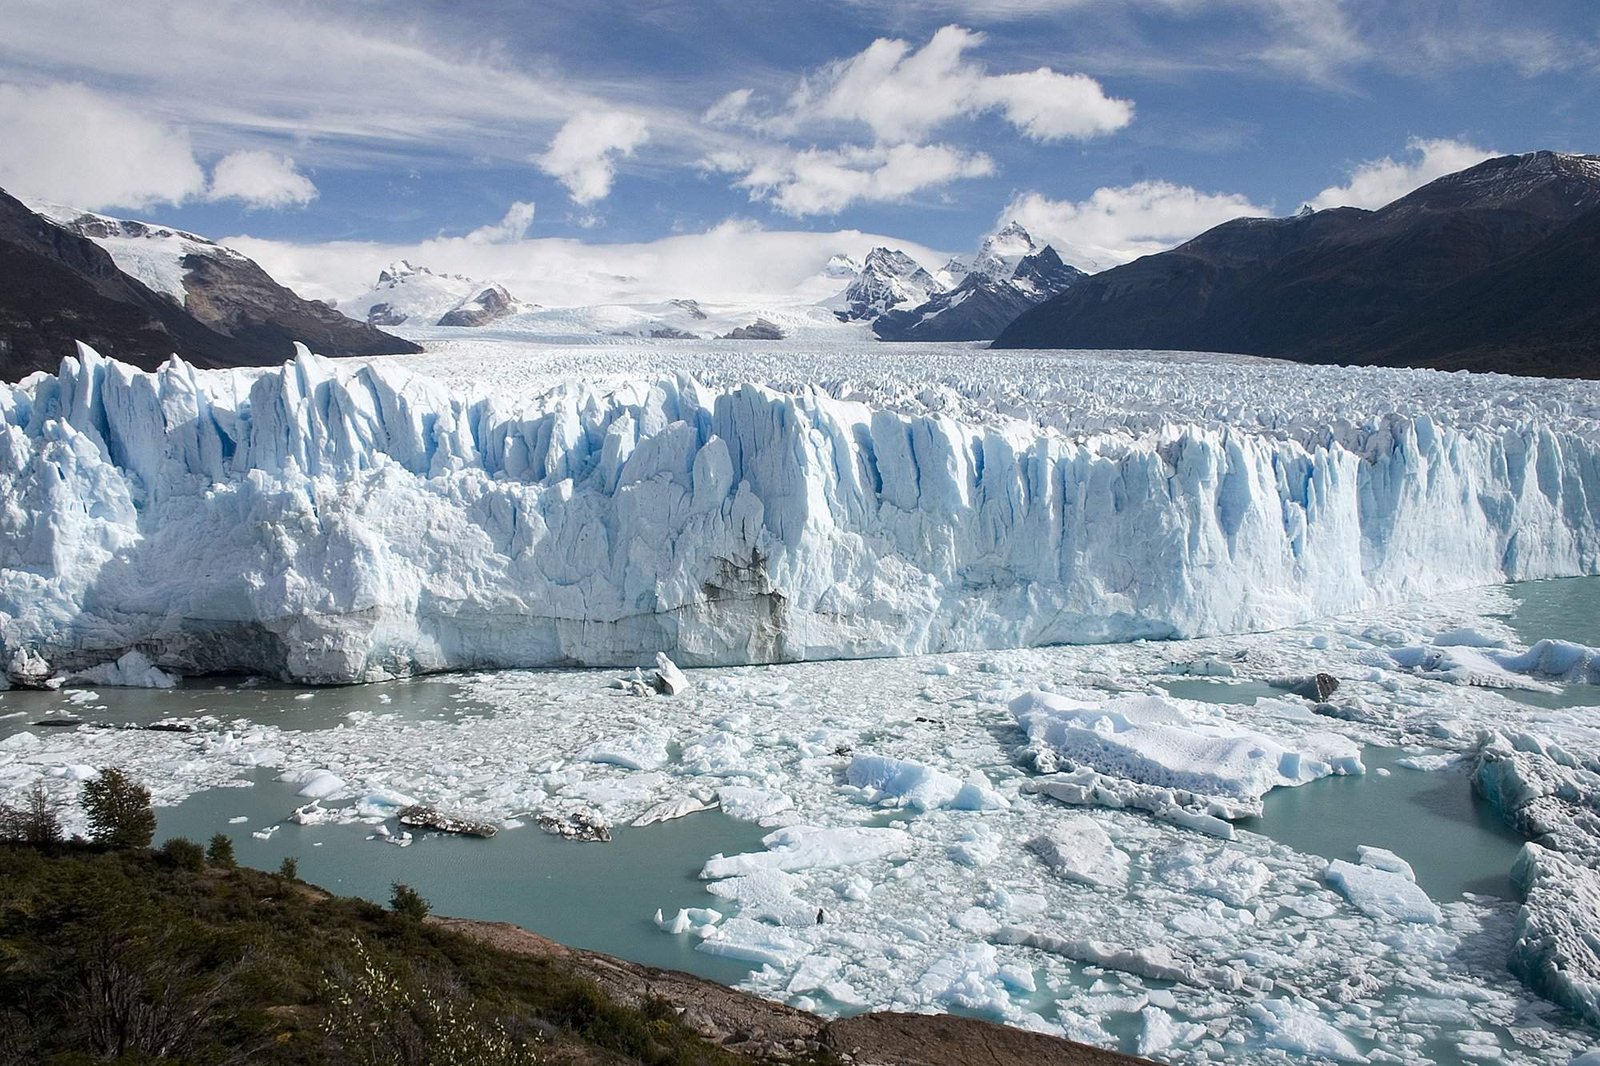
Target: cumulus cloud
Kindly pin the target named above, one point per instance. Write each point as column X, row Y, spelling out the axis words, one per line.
column 66, row 142
column 825, row 181
column 1117, row 225
column 513, row 227
column 902, row 93
column 260, row 179
column 583, row 154
column 1379, row 181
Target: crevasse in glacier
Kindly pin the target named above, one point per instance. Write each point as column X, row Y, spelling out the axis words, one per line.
column 339, row 523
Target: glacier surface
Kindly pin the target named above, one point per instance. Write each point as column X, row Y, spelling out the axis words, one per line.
column 351, row 522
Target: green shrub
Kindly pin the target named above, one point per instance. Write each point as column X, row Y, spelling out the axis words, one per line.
column 119, row 810
column 183, row 853
column 289, row 868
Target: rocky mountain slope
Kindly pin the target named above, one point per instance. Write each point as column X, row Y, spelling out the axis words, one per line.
column 152, row 293
column 1482, row 269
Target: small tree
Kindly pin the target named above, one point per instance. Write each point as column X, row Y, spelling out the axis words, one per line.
column 119, row 810
column 35, row 822
column 289, row 869
column 220, row 851
column 407, row 903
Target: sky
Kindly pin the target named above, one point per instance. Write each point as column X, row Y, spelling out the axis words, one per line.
column 631, row 143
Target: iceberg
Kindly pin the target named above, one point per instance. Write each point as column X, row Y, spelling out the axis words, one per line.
column 331, row 523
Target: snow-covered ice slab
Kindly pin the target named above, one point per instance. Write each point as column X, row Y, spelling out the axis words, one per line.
column 1174, row 745
column 342, row 522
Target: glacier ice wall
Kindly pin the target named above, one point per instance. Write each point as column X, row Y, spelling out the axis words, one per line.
column 331, row 524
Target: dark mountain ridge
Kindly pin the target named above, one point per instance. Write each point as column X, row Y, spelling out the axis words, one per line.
column 1352, row 286
column 58, row 286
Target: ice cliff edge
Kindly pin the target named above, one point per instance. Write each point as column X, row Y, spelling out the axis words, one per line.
column 331, row 524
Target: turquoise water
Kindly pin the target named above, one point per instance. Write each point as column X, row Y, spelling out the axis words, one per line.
column 1454, row 841
column 600, row 896
column 437, row 699
column 1564, row 609
column 1212, row 690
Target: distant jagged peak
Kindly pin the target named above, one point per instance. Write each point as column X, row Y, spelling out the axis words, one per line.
column 841, row 266
column 1002, row 250
column 400, row 268
column 892, row 262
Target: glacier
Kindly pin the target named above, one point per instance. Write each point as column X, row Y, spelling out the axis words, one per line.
column 330, row 523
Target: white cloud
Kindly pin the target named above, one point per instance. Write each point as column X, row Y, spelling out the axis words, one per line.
column 584, row 152
column 728, row 110
column 70, row 144
column 825, row 181
column 735, row 262
column 903, row 94
column 1380, row 181
column 1117, row 225
column 513, row 227
column 260, row 179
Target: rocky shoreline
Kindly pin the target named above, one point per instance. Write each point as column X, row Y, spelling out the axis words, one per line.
column 766, row 1031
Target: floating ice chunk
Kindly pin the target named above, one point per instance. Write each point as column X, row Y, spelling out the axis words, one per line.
column 669, row 679
column 1157, row 961
column 1384, row 859
column 1159, row 1032
column 315, row 784
column 382, row 803
column 751, row 941
column 977, row 846
column 803, row 847
column 1153, row 741
column 1295, row 1027
column 261, row 757
column 1546, row 662
column 1077, row 849
column 239, row 820
column 1380, row 894
column 1557, row 950
column 265, row 834
column 640, row 750
column 1233, row 878
column 696, row 920
column 921, row 786
column 750, row 804
column 767, row 896
column 668, row 809
column 133, row 670
column 968, row 978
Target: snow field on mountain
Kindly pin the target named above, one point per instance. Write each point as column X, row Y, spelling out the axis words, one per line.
column 333, row 522
column 1099, row 922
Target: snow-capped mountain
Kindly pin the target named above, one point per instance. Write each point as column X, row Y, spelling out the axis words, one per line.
column 155, row 255
column 889, row 278
column 145, row 292
column 406, row 294
column 490, row 304
column 1002, row 252
column 1000, row 285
